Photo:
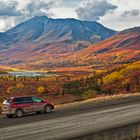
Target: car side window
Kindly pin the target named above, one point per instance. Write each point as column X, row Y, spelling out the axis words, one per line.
column 23, row 100
column 17, row 101
column 36, row 100
column 27, row 100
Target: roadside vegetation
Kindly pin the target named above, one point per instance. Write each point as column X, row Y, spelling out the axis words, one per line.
column 75, row 85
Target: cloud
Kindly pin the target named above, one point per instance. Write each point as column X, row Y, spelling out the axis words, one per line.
column 116, row 21
column 6, row 23
column 18, row 11
column 38, row 7
column 115, row 14
column 133, row 12
column 94, row 9
column 69, row 3
column 8, row 8
column 30, row 8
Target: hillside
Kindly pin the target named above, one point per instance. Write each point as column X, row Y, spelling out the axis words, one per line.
column 122, row 79
column 41, row 43
column 124, row 47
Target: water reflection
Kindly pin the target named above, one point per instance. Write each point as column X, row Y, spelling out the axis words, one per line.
column 30, row 73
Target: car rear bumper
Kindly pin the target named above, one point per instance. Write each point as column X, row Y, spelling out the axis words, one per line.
column 8, row 112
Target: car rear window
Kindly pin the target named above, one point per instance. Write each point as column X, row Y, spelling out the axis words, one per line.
column 22, row 100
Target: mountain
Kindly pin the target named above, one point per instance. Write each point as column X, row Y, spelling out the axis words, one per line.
column 43, row 31
column 42, row 42
column 122, row 48
column 53, row 30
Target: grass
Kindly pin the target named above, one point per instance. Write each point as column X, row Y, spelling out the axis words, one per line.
column 98, row 100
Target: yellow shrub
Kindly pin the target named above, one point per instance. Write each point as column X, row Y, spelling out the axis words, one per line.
column 89, row 94
column 41, row 90
column 115, row 76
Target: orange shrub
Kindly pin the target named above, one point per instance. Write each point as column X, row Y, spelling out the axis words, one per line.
column 10, row 89
column 19, row 85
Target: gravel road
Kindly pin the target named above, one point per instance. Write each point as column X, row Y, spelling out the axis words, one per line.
column 71, row 122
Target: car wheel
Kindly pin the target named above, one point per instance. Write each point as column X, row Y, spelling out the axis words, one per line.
column 38, row 112
column 9, row 116
column 47, row 109
column 19, row 113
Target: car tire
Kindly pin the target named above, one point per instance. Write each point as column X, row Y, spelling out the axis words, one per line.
column 38, row 112
column 9, row 116
column 47, row 109
column 19, row 113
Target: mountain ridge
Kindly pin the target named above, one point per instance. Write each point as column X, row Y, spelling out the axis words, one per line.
column 56, row 30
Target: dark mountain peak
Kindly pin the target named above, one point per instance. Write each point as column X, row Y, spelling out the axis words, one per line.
column 39, row 18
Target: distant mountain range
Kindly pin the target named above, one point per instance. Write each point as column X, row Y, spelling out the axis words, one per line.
column 42, row 42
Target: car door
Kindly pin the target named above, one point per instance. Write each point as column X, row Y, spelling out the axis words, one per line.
column 38, row 104
column 25, row 103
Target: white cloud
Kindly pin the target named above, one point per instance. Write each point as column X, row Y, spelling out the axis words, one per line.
column 18, row 11
column 124, row 16
column 94, row 9
column 116, row 21
column 6, row 23
column 9, row 8
column 133, row 12
column 39, row 7
column 64, row 12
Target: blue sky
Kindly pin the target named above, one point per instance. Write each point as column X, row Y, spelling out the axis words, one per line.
column 115, row 14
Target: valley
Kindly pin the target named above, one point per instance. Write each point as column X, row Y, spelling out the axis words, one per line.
column 83, row 60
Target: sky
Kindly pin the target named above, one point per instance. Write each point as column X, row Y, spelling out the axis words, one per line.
column 114, row 14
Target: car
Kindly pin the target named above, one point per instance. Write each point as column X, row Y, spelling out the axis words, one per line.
column 18, row 106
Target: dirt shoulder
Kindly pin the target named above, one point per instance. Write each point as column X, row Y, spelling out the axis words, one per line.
column 100, row 101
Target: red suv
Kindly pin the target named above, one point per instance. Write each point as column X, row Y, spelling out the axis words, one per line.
column 17, row 106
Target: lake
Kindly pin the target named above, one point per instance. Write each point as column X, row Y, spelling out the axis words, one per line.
column 30, row 73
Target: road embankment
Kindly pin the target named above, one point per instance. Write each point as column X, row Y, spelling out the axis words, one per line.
column 73, row 121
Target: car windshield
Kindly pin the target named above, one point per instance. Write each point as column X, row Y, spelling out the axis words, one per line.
column 7, row 101
column 36, row 99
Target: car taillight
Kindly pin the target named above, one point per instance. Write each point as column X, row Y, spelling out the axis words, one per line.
column 11, row 106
